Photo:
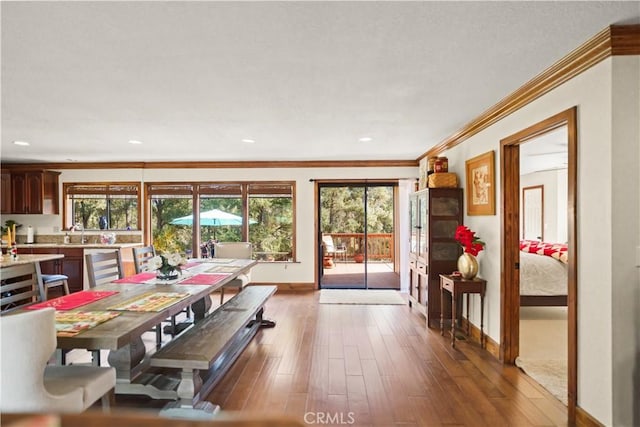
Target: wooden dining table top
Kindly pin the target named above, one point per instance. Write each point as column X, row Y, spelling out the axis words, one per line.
column 128, row 325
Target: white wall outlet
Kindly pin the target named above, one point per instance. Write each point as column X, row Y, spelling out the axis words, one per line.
column 56, row 229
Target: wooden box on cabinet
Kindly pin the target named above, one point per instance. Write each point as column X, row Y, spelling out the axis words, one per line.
column 435, row 213
column 32, row 192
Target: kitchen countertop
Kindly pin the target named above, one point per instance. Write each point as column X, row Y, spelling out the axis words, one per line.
column 6, row 261
column 75, row 245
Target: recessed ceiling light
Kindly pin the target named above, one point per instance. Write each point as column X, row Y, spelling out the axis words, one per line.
column 249, row 141
column 21, row 143
column 133, row 141
column 365, row 139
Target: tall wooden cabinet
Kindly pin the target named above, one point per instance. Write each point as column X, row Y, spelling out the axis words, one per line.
column 435, row 215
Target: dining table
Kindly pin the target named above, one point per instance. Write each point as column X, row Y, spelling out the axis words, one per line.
column 132, row 299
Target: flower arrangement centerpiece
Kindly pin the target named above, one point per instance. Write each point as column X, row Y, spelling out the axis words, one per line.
column 472, row 245
column 167, row 266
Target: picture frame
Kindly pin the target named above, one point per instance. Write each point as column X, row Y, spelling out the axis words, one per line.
column 480, row 184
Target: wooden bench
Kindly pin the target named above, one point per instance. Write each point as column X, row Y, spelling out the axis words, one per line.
column 206, row 351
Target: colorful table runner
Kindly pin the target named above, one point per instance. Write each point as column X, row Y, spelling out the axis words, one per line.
column 150, row 301
column 223, row 269
column 74, row 300
column 218, row 260
column 137, row 278
column 190, row 265
column 204, row 279
column 72, row 323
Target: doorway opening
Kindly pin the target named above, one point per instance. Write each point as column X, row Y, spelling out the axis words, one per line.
column 523, row 206
column 356, row 235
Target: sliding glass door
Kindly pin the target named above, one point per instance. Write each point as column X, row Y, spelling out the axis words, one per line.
column 356, row 236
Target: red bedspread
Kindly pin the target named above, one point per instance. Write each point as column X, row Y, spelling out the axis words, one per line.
column 557, row 251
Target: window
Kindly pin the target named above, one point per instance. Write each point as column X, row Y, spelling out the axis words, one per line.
column 271, row 224
column 190, row 217
column 104, row 206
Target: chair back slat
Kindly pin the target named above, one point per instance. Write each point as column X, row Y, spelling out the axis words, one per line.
column 104, row 267
column 18, row 287
column 141, row 257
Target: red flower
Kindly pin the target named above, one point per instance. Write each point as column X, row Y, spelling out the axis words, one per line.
column 469, row 241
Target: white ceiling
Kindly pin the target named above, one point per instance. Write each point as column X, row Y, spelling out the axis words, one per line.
column 305, row 80
column 549, row 151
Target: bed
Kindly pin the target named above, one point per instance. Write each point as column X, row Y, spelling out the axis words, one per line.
column 543, row 273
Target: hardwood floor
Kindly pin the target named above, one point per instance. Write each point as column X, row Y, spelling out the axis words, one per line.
column 375, row 366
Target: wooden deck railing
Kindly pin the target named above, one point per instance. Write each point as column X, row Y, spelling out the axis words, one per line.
column 379, row 245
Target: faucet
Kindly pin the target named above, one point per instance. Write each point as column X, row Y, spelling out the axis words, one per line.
column 81, row 228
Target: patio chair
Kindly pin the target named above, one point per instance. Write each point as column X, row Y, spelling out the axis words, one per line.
column 332, row 250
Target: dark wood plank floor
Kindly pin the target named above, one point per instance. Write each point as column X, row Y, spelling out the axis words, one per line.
column 375, row 366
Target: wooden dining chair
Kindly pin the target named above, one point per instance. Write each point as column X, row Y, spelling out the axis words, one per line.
column 240, row 250
column 141, row 257
column 19, row 287
column 28, row 384
column 104, row 267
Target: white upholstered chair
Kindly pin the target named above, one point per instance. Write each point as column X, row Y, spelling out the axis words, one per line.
column 239, row 250
column 27, row 384
column 332, row 250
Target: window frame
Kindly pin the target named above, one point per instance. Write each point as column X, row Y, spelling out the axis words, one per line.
column 105, row 186
column 207, row 188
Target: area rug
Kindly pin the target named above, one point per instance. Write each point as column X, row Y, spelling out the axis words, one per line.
column 550, row 374
column 361, row 296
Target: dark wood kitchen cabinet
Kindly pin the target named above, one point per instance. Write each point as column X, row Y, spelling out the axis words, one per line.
column 5, row 195
column 32, row 192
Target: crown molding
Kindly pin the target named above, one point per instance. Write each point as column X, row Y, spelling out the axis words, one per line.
column 613, row 40
column 214, row 165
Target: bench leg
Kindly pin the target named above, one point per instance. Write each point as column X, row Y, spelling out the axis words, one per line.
column 190, row 385
column 200, row 308
column 264, row 323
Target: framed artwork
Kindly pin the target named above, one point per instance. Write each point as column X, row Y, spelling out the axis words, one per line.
column 481, row 190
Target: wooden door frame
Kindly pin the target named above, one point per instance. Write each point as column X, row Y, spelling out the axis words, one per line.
column 510, row 196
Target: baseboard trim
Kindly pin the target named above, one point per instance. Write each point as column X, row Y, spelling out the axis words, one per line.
column 585, row 419
column 492, row 347
column 289, row 287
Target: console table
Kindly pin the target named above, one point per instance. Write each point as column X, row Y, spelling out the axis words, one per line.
column 458, row 286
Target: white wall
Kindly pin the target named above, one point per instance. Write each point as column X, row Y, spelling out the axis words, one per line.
column 625, row 256
column 607, row 142
column 555, row 202
column 300, row 272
